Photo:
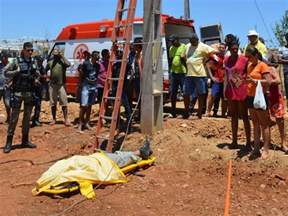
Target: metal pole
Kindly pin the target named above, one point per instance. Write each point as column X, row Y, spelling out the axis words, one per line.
column 186, row 9
column 152, row 75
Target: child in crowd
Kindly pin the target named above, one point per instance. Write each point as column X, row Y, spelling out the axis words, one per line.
column 216, row 73
column 277, row 106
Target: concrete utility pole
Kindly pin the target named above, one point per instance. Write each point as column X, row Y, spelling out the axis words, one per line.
column 152, row 75
column 186, row 9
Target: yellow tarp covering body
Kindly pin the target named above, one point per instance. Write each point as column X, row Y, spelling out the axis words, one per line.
column 86, row 171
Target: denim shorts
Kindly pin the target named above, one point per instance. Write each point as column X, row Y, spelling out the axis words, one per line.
column 217, row 89
column 176, row 81
column 197, row 85
column 88, row 95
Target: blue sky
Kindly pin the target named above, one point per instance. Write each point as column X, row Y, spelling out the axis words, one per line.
column 45, row 18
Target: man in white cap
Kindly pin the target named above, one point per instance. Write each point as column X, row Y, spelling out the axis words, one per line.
column 254, row 41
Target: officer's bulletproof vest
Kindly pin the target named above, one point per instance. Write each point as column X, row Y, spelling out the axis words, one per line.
column 24, row 80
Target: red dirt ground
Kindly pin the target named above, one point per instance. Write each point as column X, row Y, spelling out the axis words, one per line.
column 189, row 177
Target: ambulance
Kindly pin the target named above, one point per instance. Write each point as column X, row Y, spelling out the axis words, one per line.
column 75, row 39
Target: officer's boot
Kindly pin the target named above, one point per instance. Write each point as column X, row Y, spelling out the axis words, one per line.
column 26, row 143
column 8, row 146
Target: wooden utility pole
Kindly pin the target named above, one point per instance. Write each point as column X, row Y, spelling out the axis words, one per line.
column 152, row 75
column 187, row 9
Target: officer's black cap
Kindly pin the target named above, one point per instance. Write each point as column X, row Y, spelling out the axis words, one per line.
column 27, row 45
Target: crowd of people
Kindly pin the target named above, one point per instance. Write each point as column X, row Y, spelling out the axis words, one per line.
column 234, row 75
column 26, row 81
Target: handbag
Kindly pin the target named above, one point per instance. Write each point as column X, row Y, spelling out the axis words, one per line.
column 259, row 99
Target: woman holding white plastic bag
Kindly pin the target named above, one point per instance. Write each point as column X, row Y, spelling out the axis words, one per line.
column 258, row 73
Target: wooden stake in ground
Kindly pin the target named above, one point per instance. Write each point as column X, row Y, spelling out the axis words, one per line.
column 228, row 190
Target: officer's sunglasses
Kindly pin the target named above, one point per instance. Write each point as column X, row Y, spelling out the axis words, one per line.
column 29, row 50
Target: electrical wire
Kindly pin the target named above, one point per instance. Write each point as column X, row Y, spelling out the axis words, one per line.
column 264, row 23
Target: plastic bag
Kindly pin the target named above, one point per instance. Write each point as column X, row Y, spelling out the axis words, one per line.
column 259, row 100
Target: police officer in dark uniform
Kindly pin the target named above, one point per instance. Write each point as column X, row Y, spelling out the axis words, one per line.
column 25, row 75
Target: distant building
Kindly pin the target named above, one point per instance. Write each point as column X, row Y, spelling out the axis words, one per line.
column 12, row 47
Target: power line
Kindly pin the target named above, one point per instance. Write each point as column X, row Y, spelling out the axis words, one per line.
column 264, row 23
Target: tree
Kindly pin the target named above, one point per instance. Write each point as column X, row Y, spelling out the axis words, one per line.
column 281, row 28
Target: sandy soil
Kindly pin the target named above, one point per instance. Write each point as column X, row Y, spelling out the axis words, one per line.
column 189, row 177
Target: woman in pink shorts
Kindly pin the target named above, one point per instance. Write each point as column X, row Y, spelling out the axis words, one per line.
column 235, row 91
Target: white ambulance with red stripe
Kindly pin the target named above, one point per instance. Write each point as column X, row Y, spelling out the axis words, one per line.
column 74, row 39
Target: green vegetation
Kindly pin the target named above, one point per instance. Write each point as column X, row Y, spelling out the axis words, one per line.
column 281, row 28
